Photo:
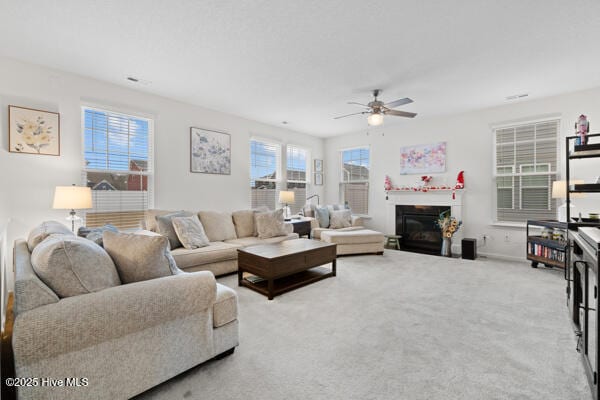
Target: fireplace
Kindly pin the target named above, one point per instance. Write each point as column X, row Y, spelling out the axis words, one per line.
column 416, row 224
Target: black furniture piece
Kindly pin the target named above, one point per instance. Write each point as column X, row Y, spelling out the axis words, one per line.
column 301, row 227
column 582, row 273
column 546, row 250
column 468, row 248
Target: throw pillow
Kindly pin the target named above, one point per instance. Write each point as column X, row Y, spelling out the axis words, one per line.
column 244, row 223
column 95, row 234
column 270, row 224
column 217, row 225
column 190, row 232
column 340, row 219
column 45, row 229
column 140, row 257
column 165, row 226
column 322, row 215
column 72, row 265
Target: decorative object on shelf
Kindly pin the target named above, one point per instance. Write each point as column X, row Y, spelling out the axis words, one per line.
column 547, row 233
column 448, row 225
column 460, row 183
column 422, row 159
column 286, row 198
column 72, row 198
column 318, row 163
column 33, row 131
column 387, row 183
column 582, row 128
column 559, row 191
column 210, row 151
column 318, row 179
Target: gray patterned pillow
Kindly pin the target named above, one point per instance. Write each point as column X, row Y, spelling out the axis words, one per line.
column 190, row 232
column 340, row 219
column 270, row 224
column 72, row 265
column 165, row 226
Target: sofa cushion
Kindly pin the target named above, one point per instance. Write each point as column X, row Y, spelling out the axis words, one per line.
column 358, row 236
column 214, row 252
column 166, row 228
column 45, row 229
column 246, row 241
column 340, row 219
column 322, row 216
column 225, row 308
column 244, row 223
column 278, row 239
column 149, row 222
column 72, row 265
column 316, row 232
column 217, row 225
column 270, row 224
column 190, row 232
column 140, row 257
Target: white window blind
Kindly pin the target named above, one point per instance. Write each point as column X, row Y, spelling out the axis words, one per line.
column 297, row 175
column 265, row 161
column 526, row 165
column 118, row 167
column 354, row 186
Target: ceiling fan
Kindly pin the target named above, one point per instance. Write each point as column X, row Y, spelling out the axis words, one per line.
column 377, row 109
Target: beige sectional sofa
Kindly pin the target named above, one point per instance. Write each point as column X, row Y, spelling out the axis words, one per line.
column 227, row 232
column 117, row 341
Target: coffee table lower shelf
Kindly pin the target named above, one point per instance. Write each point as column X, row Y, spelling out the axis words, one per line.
column 286, row 283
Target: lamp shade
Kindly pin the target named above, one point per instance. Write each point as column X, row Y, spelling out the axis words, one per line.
column 559, row 190
column 72, row 198
column 286, row 197
column 375, row 119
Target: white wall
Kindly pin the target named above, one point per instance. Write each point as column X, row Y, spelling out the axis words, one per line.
column 27, row 181
column 469, row 148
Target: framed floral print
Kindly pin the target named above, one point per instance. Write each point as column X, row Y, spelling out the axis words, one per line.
column 33, row 131
column 210, row 151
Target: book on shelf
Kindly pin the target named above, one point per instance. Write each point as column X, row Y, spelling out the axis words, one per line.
column 539, row 250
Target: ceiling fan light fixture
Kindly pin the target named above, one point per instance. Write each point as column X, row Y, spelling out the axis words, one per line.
column 375, row 119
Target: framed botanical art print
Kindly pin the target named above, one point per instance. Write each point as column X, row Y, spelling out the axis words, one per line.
column 318, row 165
column 33, row 131
column 210, row 151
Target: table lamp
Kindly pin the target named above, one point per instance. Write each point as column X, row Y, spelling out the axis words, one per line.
column 559, row 191
column 286, row 198
column 72, row 198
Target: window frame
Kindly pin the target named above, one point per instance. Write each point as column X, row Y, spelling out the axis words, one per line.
column 555, row 118
column 149, row 173
column 278, row 181
column 307, row 173
column 344, row 181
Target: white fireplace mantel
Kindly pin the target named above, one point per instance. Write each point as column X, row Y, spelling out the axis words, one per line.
column 429, row 198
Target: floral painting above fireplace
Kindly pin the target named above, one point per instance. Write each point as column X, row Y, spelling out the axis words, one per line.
column 423, row 158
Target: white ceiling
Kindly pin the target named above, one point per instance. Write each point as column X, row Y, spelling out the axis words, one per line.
column 301, row 61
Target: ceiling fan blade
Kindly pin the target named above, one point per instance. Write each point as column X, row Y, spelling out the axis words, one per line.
column 400, row 113
column 399, row 102
column 348, row 115
column 358, row 104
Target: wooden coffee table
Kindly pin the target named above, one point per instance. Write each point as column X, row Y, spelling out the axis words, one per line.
column 273, row 269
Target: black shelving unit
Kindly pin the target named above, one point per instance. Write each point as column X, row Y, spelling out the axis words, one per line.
column 582, row 274
column 547, row 251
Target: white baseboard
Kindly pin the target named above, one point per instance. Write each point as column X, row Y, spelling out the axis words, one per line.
column 503, row 257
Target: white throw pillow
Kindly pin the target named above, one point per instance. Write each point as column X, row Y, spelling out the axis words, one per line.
column 340, row 219
column 270, row 224
column 190, row 232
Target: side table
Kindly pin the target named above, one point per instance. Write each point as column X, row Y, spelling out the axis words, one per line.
column 301, row 226
column 393, row 241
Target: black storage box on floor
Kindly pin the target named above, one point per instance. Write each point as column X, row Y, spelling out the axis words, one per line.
column 469, row 249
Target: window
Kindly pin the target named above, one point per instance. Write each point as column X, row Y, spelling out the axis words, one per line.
column 265, row 161
column 526, row 165
column 118, row 167
column 297, row 175
column 354, row 185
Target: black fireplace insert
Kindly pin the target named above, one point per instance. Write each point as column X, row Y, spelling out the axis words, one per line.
column 417, row 226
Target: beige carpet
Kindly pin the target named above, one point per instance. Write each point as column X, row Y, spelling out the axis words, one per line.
column 400, row 326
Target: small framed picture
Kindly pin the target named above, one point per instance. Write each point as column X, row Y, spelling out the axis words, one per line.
column 318, row 179
column 318, row 165
column 32, row 131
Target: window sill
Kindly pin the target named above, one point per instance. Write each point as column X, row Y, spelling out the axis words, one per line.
column 515, row 225
column 363, row 216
